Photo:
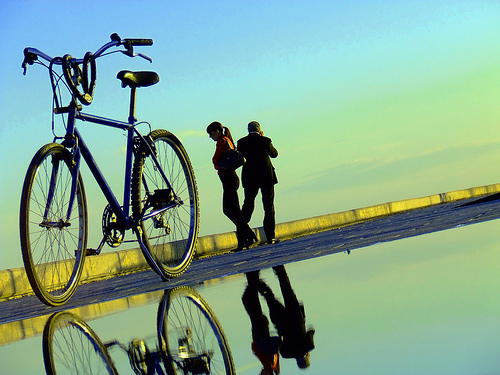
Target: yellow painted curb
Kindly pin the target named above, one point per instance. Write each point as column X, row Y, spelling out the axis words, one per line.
column 14, row 283
column 24, row 329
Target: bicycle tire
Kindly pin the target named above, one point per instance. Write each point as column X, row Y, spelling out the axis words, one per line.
column 70, row 346
column 183, row 308
column 53, row 257
column 168, row 238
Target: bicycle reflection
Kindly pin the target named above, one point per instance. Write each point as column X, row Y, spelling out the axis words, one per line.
column 190, row 340
column 293, row 339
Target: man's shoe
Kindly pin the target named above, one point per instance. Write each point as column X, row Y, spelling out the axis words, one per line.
column 272, row 241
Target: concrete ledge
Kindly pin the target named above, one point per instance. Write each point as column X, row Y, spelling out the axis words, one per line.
column 24, row 329
column 14, row 283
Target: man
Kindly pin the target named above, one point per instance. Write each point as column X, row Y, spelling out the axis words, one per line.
column 258, row 174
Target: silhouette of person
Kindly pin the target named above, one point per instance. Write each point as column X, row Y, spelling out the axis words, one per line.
column 258, row 174
column 230, row 184
column 264, row 346
column 289, row 320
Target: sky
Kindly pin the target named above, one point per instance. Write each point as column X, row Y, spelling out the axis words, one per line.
column 366, row 101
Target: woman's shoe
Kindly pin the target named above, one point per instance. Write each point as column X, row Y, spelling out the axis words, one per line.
column 247, row 242
column 251, row 239
column 241, row 246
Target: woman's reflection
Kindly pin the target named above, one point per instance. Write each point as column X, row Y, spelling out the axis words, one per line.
column 264, row 346
column 294, row 340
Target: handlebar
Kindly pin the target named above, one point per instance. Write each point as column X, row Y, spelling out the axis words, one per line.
column 71, row 66
column 32, row 54
column 140, row 42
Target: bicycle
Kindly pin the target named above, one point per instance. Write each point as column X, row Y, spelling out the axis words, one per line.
column 71, row 346
column 190, row 341
column 160, row 198
column 191, row 337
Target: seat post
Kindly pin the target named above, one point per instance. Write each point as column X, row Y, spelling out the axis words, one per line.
column 131, row 116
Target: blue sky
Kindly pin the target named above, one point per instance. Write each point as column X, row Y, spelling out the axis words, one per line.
column 366, row 101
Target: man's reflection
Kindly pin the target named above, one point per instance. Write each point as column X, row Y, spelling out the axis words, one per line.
column 295, row 341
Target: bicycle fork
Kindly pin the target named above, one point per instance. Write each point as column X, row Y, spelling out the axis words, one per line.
column 54, row 179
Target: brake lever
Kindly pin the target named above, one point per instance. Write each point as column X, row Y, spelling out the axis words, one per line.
column 145, row 57
column 131, row 54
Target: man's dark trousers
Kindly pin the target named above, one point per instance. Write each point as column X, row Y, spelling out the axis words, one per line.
column 267, row 193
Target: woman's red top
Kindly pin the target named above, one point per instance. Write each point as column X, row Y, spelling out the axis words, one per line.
column 223, row 144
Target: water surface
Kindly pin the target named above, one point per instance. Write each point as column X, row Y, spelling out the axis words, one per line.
column 427, row 304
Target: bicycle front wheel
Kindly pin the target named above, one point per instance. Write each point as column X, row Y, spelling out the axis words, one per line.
column 191, row 337
column 53, row 245
column 70, row 346
column 168, row 216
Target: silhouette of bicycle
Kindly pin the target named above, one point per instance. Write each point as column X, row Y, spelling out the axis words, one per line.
column 190, row 335
column 70, row 346
column 190, row 341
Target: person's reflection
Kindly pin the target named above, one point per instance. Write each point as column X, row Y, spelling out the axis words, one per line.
column 264, row 346
column 288, row 319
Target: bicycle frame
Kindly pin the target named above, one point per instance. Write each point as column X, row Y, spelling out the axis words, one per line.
column 74, row 141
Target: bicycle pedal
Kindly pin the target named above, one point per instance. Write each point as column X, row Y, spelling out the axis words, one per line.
column 90, row 251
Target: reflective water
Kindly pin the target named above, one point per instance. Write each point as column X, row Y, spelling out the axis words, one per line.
column 427, row 304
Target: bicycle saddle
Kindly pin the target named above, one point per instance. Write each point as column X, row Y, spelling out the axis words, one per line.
column 137, row 79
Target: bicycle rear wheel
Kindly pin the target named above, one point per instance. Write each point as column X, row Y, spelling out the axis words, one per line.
column 191, row 337
column 70, row 346
column 53, row 246
column 168, row 219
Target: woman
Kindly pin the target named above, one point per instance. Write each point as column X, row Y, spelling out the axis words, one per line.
column 230, row 183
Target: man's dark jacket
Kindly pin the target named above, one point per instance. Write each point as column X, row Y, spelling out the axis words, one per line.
column 258, row 170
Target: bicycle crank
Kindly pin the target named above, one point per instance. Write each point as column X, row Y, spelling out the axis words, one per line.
column 113, row 232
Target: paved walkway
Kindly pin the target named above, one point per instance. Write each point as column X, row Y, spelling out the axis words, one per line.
column 363, row 234
column 15, row 284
